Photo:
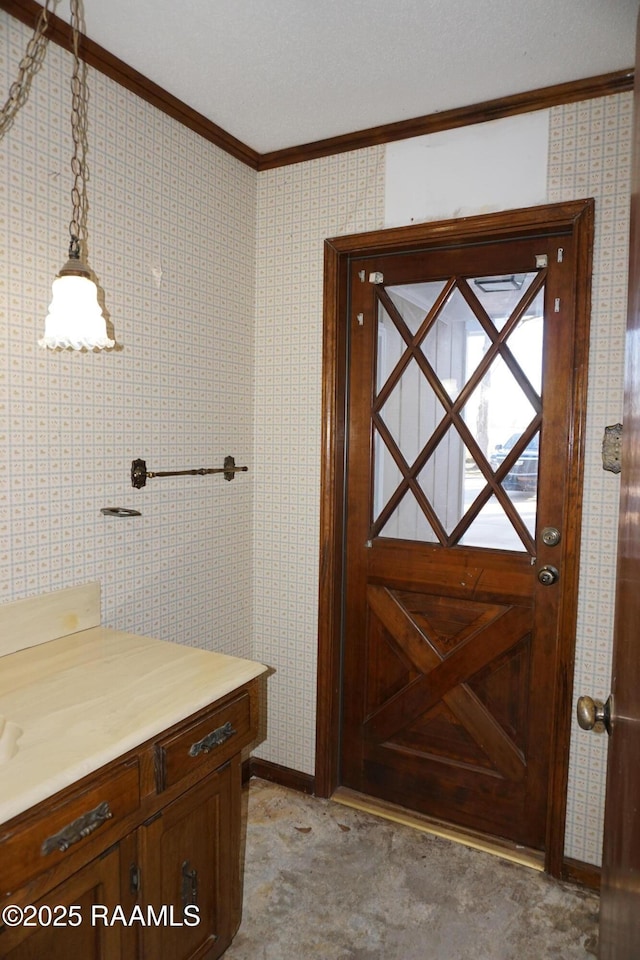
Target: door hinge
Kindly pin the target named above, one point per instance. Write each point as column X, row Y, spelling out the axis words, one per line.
column 560, row 254
column 134, row 878
column 556, row 305
column 189, row 885
column 360, row 319
column 361, row 275
column 376, row 277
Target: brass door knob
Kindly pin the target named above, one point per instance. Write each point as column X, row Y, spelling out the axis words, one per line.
column 594, row 714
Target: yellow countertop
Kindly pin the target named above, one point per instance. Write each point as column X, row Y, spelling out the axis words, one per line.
column 85, row 699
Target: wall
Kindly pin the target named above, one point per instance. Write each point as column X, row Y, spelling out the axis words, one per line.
column 298, row 207
column 171, row 239
column 566, row 153
column 590, row 156
column 500, row 165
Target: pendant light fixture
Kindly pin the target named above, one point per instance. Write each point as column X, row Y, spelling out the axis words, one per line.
column 75, row 319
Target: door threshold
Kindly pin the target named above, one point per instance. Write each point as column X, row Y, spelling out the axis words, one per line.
column 506, row 849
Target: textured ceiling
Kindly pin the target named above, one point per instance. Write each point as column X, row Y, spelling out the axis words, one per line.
column 290, row 72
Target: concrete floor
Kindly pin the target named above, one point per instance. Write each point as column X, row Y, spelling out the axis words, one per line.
column 329, row 882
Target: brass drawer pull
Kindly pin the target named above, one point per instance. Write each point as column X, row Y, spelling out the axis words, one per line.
column 77, row 830
column 213, row 739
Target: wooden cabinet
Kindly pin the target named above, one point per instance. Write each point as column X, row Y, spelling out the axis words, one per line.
column 146, row 850
column 191, row 867
column 98, row 882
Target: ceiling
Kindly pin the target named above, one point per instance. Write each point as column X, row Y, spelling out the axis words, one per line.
column 290, row 72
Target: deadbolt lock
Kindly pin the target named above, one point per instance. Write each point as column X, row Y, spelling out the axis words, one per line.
column 548, row 575
column 550, row 536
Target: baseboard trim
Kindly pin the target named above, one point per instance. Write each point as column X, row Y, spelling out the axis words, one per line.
column 469, row 838
column 584, row 874
column 276, row 773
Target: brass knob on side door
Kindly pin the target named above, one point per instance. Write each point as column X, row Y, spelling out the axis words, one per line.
column 548, row 575
column 594, row 714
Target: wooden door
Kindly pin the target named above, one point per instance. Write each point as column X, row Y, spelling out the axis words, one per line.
column 619, row 913
column 460, row 451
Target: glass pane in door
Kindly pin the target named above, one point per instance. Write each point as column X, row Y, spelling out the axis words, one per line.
column 500, row 295
column 458, row 387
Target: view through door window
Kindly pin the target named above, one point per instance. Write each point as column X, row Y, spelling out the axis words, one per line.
column 458, row 410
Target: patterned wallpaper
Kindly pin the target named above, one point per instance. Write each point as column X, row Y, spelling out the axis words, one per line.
column 590, row 156
column 213, row 282
column 171, row 239
column 298, row 207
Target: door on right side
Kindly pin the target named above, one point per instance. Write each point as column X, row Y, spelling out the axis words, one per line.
column 620, row 886
column 460, row 441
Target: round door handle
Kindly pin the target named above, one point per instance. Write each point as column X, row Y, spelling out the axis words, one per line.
column 548, row 575
column 594, row 714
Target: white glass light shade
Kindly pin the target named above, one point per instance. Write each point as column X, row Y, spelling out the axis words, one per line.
column 75, row 318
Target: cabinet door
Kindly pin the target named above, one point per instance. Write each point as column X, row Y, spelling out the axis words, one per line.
column 190, row 871
column 53, row 937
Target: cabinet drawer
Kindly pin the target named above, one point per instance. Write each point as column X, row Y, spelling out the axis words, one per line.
column 36, row 841
column 205, row 743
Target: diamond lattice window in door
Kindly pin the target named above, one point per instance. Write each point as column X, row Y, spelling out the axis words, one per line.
column 457, row 412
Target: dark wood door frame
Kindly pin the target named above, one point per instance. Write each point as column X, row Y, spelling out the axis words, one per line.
column 570, row 218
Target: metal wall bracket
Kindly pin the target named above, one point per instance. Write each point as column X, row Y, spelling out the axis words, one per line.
column 140, row 474
column 612, row 448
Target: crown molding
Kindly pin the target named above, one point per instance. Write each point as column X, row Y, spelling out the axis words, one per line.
column 96, row 56
column 540, row 99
